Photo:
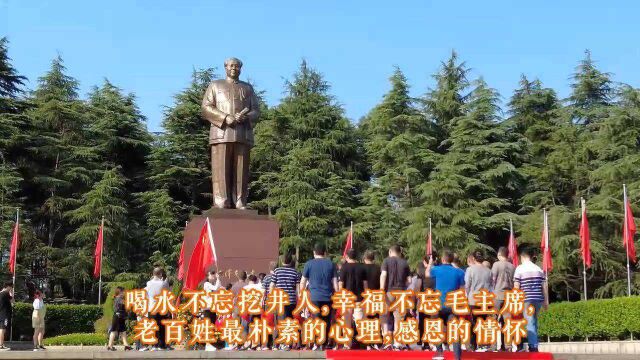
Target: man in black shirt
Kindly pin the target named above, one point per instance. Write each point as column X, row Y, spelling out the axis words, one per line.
column 395, row 275
column 6, row 298
column 353, row 277
column 372, row 270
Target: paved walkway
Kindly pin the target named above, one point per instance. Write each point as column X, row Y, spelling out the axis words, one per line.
column 93, row 354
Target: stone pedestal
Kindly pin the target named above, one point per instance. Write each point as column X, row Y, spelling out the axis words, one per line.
column 244, row 240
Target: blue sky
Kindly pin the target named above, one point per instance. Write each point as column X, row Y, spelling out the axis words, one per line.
column 151, row 47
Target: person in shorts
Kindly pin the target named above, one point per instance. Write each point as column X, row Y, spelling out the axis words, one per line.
column 6, row 302
column 118, row 326
column 353, row 277
column 37, row 320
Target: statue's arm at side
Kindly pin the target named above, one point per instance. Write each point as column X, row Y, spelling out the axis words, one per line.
column 209, row 110
column 254, row 112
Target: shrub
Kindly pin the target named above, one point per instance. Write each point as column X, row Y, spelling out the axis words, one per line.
column 60, row 319
column 609, row 319
column 77, row 339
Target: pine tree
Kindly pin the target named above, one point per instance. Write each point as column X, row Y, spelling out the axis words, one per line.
column 12, row 121
column 272, row 142
column 446, row 102
column 162, row 227
column 121, row 135
column 179, row 160
column 398, row 142
column 105, row 199
column 466, row 195
column 11, row 83
column 535, row 112
column 65, row 162
column 618, row 156
column 315, row 189
column 592, row 92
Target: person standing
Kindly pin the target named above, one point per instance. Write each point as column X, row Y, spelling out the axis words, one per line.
column 240, row 284
column 37, row 320
column 6, row 302
column 372, row 270
column 320, row 276
column 353, row 277
column 154, row 288
column 532, row 281
column 477, row 277
column 447, row 278
column 212, row 284
column 287, row 279
column 502, row 273
column 425, row 283
column 394, row 275
column 118, row 326
column 267, row 280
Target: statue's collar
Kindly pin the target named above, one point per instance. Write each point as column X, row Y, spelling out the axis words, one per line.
column 230, row 80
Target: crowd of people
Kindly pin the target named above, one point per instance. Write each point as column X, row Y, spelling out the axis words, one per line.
column 322, row 278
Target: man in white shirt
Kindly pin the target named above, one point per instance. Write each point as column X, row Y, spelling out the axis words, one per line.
column 154, row 288
column 212, row 284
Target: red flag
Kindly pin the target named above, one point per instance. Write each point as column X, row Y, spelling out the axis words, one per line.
column 513, row 246
column 181, row 263
column 629, row 230
column 203, row 257
column 97, row 255
column 429, row 241
column 547, row 261
column 15, row 240
column 348, row 242
column 585, row 238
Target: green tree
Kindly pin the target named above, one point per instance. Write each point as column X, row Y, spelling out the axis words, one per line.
column 535, row 112
column 592, row 92
column 315, row 189
column 163, row 230
column 446, row 102
column 179, row 160
column 398, row 145
column 618, row 157
column 104, row 200
column 12, row 122
column 121, row 135
column 63, row 160
column 467, row 194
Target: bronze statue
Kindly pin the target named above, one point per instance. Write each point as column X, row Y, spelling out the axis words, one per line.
column 231, row 106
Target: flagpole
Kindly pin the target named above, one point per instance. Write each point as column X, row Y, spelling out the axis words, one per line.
column 16, row 255
column 546, row 245
column 626, row 240
column 430, row 237
column 15, row 270
column 351, row 229
column 584, row 265
column 101, row 256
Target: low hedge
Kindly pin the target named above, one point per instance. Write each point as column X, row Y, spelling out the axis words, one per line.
column 77, row 339
column 60, row 319
column 607, row 319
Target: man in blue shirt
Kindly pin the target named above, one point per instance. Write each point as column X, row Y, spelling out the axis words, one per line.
column 447, row 279
column 320, row 277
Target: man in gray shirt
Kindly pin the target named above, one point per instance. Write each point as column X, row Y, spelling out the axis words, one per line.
column 476, row 277
column 502, row 272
